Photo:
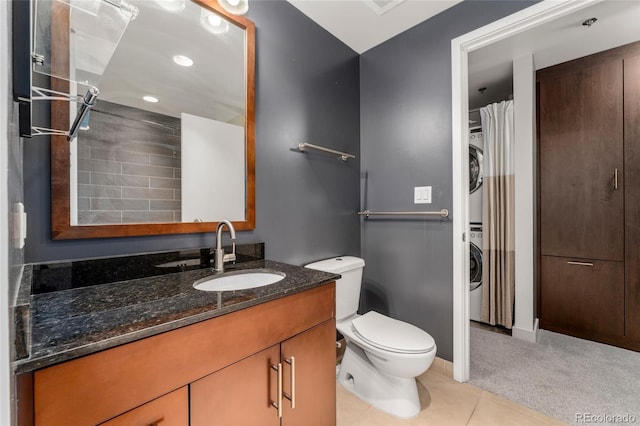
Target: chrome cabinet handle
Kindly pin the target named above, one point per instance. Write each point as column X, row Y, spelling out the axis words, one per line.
column 292, row 381
column 277, row 404
column 615, row 179
column 579, row 263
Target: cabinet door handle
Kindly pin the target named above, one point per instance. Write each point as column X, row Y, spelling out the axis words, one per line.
column 580, row 263
column 615, row 179
column 292, row 381
column 277, row 404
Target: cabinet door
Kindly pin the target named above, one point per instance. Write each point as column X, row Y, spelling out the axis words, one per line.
column 581, row 147
column 582, row 297
column 632, row 195
column 315, row 380
column 171, row 409
column 240, row 394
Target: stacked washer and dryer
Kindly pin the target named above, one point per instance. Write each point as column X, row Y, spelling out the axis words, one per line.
column 475, row 218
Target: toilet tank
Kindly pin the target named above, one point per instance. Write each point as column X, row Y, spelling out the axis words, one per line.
column 347, row 287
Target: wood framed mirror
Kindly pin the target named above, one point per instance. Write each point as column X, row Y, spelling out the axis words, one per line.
column 104, row 183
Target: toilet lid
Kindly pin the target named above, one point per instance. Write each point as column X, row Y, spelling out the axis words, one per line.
column 392, row 335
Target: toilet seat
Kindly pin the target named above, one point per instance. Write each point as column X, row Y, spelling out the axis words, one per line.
column 392, row 335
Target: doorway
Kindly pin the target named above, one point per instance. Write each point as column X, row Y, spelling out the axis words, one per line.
column 508, row 30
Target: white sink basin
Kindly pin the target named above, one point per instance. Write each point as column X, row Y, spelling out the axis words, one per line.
column 239, row 280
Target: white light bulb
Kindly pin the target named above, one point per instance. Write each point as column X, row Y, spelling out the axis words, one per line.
column 151, row 99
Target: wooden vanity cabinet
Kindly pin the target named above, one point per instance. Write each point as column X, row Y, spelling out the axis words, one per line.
column 312, row 364
column 147, row 380
column 240, row 394
column 171, row 409
column 246, row 393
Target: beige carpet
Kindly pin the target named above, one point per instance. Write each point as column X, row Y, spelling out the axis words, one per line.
column 571, row 379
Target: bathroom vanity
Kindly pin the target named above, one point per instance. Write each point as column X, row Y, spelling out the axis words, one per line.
column 155, row 350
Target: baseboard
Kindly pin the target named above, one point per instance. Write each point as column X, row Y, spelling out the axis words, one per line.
column 526, row 335
column 442, row 366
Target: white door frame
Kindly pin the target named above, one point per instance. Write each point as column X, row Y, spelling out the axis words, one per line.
column 526, row 19
column 5, row 347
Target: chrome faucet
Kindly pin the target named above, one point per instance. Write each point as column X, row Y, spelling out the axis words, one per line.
column 219, row 258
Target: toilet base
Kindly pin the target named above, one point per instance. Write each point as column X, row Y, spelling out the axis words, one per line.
column 397, row 396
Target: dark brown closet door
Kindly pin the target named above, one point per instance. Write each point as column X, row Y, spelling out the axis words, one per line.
column 584, row 298
column 581, row 147
column 632, row 195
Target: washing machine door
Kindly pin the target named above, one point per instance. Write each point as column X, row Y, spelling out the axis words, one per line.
column 475, row 168
column 475, row 266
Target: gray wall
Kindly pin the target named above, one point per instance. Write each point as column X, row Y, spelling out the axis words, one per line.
column 405, row 105
column 306, row 90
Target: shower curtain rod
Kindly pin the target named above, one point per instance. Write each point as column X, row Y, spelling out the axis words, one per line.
column 478, row 109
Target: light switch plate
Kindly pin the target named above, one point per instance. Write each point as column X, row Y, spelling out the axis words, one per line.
column 422, row 195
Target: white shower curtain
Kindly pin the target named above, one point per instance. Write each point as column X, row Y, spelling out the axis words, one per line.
column 498, row 271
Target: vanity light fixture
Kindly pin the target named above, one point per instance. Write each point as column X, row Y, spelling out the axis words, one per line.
column 213, row 22
column 151, row 99
column 172, row 5
column 183, row 61
column 235, row 7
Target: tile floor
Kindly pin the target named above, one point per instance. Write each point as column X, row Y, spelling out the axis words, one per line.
column 444, row 402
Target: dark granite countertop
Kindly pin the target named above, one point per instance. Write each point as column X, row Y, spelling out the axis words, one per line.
column 71, row 323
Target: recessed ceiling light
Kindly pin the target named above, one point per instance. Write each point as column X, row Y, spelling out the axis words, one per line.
column 213, row 22
column 151, row 99
column 235, row 7
column 183, row 60
column 172, row 5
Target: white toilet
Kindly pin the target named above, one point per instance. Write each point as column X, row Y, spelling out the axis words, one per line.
column 383, row 356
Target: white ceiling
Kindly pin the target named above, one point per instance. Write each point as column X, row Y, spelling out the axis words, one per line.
column 358, row 25
column 559, row 41
column 142, row 65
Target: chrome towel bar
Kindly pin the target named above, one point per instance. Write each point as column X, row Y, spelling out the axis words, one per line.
column 441, row 213
column 343, row 155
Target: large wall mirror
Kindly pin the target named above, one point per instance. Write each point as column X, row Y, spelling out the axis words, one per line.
column 169, row 145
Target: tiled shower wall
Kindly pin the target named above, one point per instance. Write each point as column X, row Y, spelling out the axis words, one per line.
column 128, row 167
